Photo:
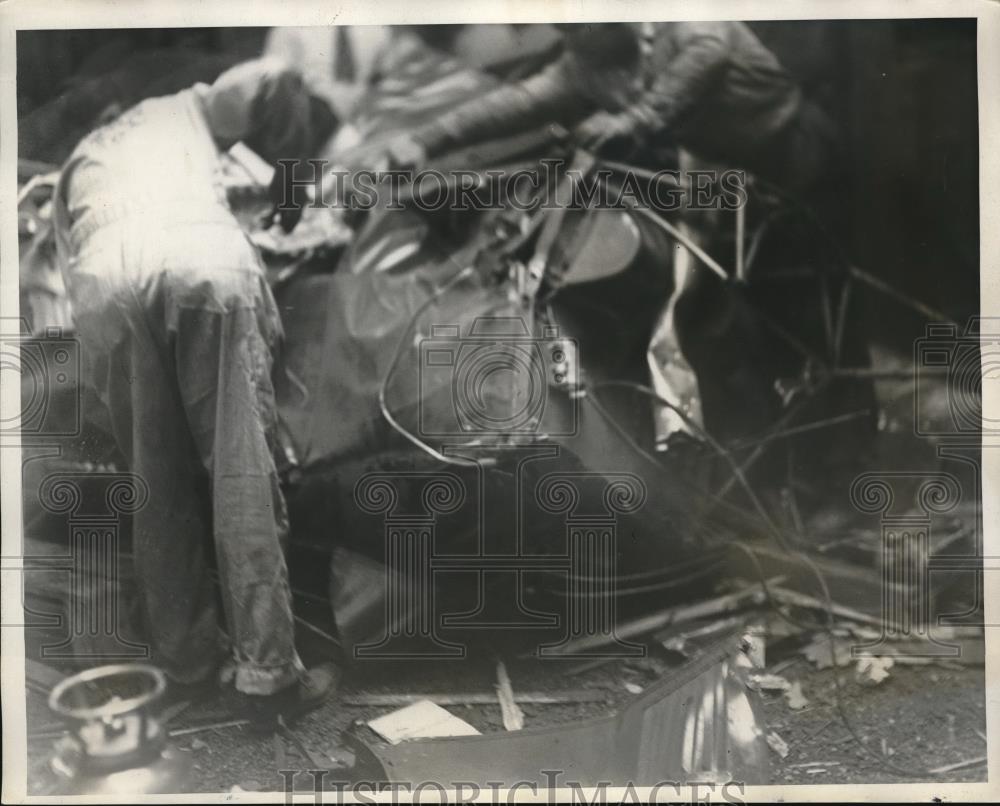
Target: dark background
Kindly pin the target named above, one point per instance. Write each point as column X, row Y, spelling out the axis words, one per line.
column 903, row 91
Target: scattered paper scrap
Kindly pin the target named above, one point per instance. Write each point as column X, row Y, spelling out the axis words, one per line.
column 421, row 720
column 777, row 744
column 795, row 698
column 633, row 688
column 820, row 653
column 873, row 670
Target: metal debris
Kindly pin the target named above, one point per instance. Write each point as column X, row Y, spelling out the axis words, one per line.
column 701, row 717
column 720, row 605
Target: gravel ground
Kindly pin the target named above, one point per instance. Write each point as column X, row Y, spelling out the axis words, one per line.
column 920, row 717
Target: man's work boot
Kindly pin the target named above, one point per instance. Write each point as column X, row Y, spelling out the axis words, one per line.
column 316, row 687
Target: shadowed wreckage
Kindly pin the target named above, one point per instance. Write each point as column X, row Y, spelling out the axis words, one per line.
column 515, row 431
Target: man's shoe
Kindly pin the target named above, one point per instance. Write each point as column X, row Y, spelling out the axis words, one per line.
column 315, row 688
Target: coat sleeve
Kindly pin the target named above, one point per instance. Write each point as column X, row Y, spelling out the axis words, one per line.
column 699, row 60
column 555, row 94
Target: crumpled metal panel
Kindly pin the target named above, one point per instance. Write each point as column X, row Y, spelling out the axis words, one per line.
column 702, row 724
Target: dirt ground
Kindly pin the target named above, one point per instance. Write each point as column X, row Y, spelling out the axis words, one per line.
column 920, row 717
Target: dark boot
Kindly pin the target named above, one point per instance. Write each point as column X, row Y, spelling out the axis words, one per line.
column 315, row 688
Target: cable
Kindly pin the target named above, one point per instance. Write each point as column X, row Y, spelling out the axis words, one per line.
column 818, row 425
column 389, row 418
column 715, row 498
column 621, row 431
column 635, row 590
column 710, row 440
column 845, row 261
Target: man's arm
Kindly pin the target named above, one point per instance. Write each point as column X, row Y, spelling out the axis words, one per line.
column 682, row 79
column 681, row 83
column 554, row 94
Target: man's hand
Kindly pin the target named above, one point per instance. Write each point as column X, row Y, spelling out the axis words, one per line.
column 406, row 153
column 604, row 128
column 401, row 153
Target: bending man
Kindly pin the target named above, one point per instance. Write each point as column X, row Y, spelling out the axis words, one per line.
column 179, row 331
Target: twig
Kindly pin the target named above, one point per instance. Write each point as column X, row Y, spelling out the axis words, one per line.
column 779, row 667
column 800, row 429
column 906, row 374
column 303, row 750
column 280, row 754
column 171, row 712
column 321, row 633
column 513, row 717
column 900, row 297
column 699, row 632
column 232, row 723
column 673, row 615
column 790, row 597
column 685, row 241
column 980, row 734
column 805, row 764
column 531, row 698
column 47, row 734
column 741, row 225
column 820, row 729
column 589, row 665
column 969, row 762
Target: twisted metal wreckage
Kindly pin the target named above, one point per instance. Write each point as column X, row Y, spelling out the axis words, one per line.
column 554, row 520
